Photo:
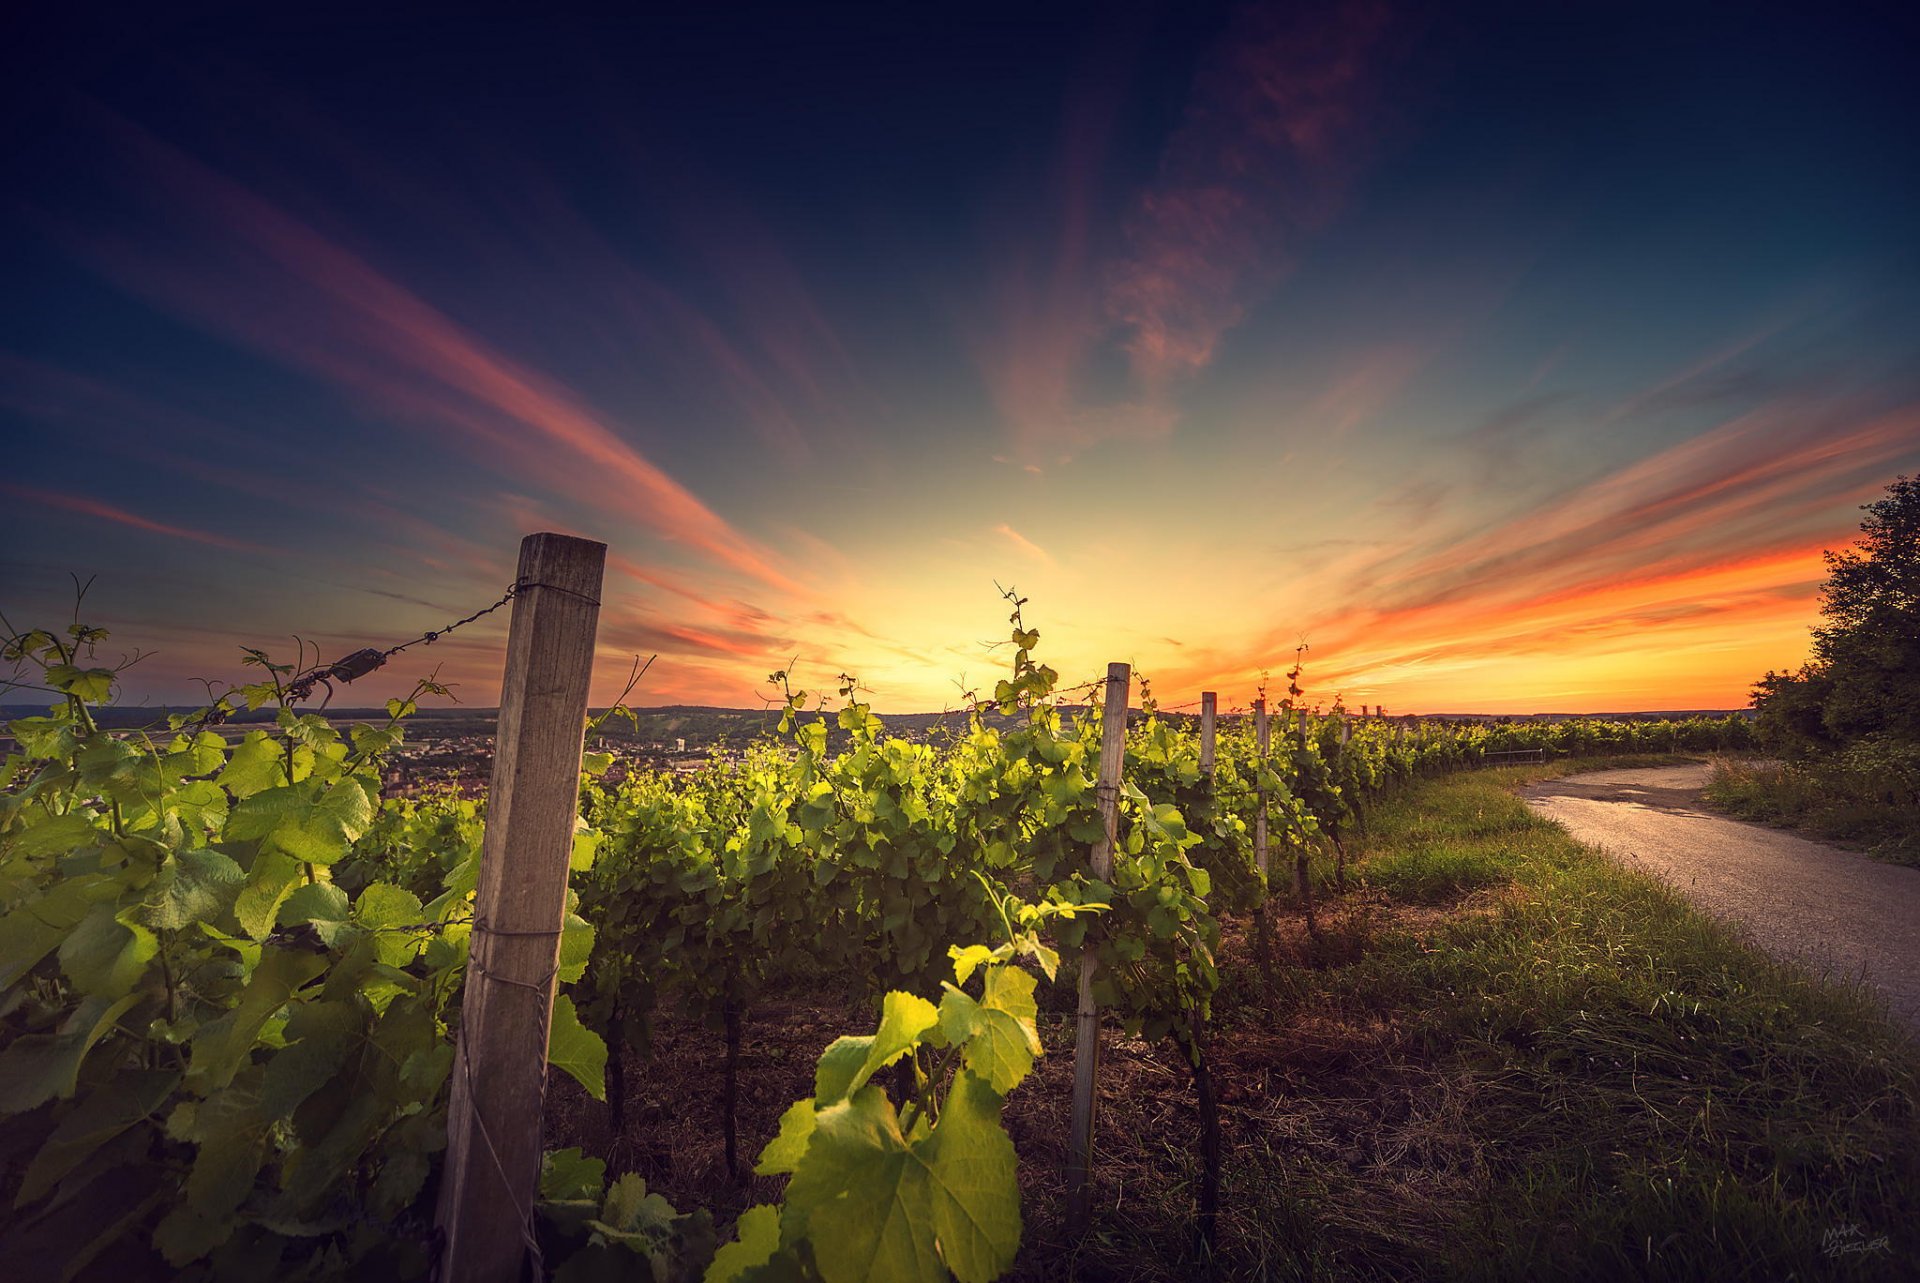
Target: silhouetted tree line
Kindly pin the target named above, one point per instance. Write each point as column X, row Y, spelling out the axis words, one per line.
column 1855, row 705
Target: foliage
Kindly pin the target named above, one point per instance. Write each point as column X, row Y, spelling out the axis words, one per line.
column 1867, row 794
column 214, row 1053
column 926, row 1191
column 1864, row 678
column 231, row 972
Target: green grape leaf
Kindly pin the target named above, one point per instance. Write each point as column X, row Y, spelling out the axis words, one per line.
column 105, row 955
column 315, row 902
column 567, row 1175
column 966, row 960
column 199, row 886
column 784, row 1152
column 576, row 947
column 52, row 835
column 999, row 1030
column 39, row 1067
column 93, row 685
column 202, row 754
column 310, row 821
column 223, row 1045
column 756, row 1239
column 319, row 1038
column 231, row 1134
column 36, row 928
column 271, row 881
column 863, row 1198
column 1048, row 959
column 403, row 1172
column 631, row 1209
column 386, row 910
column 100, row 1116
column 849, row 1062
column 257, row 764
column 974, row 1179
column 573, row 1047
column 586, row 841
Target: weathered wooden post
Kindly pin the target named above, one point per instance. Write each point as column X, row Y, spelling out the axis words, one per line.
column 1086, row 1050
column 1209, row 1201
column 1209, row 711
column 1302, row 887
column 1262, row 742
column 1340, row 847
column 485, row 1213
column 1262, row 926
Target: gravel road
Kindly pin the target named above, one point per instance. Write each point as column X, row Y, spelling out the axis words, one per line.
column 1841, row 911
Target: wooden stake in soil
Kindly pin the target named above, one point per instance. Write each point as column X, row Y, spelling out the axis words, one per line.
column 487, row 1187
column 1263, row 930
column 1209, row 704
column 1262, row 741
column 1086, row 1050
column 1339, row 846
column 1209, row 1200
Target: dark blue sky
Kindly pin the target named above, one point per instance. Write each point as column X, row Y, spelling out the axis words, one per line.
column 1475, row 343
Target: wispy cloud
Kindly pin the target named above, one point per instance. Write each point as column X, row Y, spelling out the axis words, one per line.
column 1279, row 121
column 1700, row 544
column 120, row 516
column 1277, row 128
column 275, row 283
column 1023, row 545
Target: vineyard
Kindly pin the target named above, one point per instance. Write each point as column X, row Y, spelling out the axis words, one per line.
column 243, row 1030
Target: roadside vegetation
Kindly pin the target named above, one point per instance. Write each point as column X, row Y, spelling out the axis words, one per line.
column 1836, row 799
column 1503, row 1057
column 1845, row 728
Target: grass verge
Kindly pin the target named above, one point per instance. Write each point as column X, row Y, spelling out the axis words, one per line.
column 1511, row 1058
column 1826, row 804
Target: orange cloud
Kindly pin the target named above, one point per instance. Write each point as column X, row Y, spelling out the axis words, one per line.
column 1702, row 559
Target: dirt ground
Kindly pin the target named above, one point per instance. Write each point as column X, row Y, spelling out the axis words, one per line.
column 1337, row 1090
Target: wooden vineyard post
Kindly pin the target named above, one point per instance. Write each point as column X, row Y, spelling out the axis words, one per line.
column 1086, row 1049
column 1209, row 704
column 1263, row 929
column 485, row 1213
column 1302, row 886
column 1262, row 740
column 1197, row 1036
column 1340, row 847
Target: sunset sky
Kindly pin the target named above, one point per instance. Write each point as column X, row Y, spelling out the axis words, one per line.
column 1514, row 358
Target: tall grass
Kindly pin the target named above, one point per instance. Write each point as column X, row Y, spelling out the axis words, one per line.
column 1838, row 800
column 1510, row 1058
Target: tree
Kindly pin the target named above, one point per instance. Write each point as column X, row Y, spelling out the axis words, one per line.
column 1877, row 580
column 1864, row 678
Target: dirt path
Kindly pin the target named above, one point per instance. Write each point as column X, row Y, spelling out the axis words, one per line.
column 1841, row 911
